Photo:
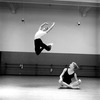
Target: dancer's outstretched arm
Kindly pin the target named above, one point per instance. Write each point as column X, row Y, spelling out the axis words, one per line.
column 50, row 27
column 42, row 25
column 64, row 70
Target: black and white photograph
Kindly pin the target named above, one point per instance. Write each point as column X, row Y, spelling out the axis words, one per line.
column 49, row 49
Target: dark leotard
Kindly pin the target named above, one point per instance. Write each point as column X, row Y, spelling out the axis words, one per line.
column 67, row 78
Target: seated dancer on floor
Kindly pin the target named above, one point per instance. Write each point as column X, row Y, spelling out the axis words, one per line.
column 39, row 45
column 67, row 75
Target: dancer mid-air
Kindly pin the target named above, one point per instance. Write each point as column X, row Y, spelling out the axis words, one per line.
column 66, row 76
column 39, row 45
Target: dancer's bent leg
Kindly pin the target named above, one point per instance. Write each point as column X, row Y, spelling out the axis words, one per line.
column 76, row 84
column 39, row 46
column 62, row 83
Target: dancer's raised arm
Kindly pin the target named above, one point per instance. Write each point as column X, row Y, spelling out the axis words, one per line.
column 50, row 27
column 42, row 25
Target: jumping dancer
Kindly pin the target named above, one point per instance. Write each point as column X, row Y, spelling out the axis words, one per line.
column 67, row 75
column 39, row 45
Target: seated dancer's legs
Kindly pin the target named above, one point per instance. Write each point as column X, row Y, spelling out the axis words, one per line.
column 76, row 83
column 62, row 83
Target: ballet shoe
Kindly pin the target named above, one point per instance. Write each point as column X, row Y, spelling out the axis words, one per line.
column 76, row 87
column 50, row 44
column 79, row 80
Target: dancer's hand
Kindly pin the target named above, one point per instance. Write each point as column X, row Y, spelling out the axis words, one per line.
column 60, row 79
column 53, row 23
column 45, row 23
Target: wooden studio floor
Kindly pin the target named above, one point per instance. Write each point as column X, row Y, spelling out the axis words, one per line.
column 46, row 88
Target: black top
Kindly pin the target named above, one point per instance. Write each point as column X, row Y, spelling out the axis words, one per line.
column 67, row 78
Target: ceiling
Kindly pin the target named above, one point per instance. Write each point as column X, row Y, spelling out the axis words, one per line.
column 85, row 5
column 92, row 3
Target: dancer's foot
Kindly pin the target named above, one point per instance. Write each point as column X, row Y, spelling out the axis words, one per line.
column 76, row 87
column 50, row 45
column 79, row 81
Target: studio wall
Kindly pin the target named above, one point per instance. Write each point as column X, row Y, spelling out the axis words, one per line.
column 72, row 42
column 66, row 35
column 22, row 63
